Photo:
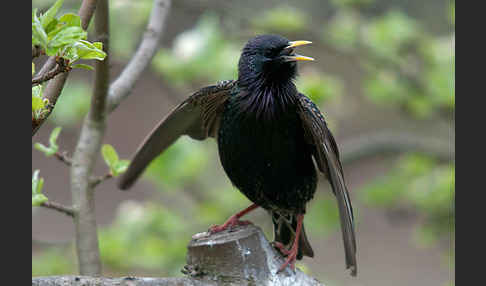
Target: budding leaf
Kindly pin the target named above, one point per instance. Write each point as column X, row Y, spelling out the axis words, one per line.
column 37, row 103
column 39, row 35
column 110, row 156
column 50, row 14
column 53, row 137
column 120, row 167
column 83, row 66
column 71, row 20
column 87, row 50
column 53, row 147
column 37, row 183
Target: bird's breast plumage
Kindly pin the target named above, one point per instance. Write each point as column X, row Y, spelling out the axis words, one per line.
column 264, row 153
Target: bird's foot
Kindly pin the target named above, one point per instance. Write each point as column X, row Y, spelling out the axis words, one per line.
column 281, row 248
column 291, row 256
column 234, row 220
column 230, row 223
column 292, row 253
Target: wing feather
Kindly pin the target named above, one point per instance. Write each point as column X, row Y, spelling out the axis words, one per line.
column 326, row 155
column 198, row 116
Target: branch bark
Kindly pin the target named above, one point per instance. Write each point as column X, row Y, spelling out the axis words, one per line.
column 61, row 66
column 52, row 93
column 36, row 51
column 85, row 155
column 242, row 256
column 58, row 207
column 122, row 86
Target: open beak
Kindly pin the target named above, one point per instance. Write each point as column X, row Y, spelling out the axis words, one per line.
column 297, row 57
column 297, row 43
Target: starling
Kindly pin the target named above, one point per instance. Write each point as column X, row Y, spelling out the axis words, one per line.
column 271, row 139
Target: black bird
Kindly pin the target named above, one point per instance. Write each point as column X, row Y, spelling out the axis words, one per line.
column 268, row 135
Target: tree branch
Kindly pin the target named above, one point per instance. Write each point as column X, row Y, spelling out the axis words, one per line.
column 37, row 51
column 85, row 155
column 52, row 93
column 55, row 86
column 122, row 86
column 242, row 256
column 58, row 207
column 385, row 142
column 63, row 158
column 96, row 181
column 62, row 66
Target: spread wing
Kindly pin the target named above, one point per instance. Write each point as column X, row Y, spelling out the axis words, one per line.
column 326, row 155
column 198, row 116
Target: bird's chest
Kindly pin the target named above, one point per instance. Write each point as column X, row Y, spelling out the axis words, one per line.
column 266, row 142
column 266, row 157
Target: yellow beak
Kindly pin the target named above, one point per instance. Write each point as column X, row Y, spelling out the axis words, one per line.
column 297, row 43
column 298, row 57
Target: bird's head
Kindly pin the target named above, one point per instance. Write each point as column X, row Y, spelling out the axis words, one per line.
column 270, row 58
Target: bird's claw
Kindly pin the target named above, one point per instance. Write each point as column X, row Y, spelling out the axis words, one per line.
column 232, row 222
column 281, row 248
column 289, row 260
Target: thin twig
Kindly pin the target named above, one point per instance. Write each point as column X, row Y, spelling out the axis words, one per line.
column 62, row 66
column 96, row 181
column 122, row 86
column 58, row 207
column 63, row 158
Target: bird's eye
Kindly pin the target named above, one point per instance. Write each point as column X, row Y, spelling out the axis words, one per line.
column 271, row 53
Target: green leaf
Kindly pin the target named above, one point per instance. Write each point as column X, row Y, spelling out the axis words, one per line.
column 120, row 167
column 66, row 36
column 71, row 20
column 87, row 50
column 50, row 14
column 53, row 137
column 98, row 45
column 83, row 66
column 66, row 21
column 37, row 103
column 38, row 199
column 37, row 183
column 33, row 68
column 110, row 156
column 52, row 26
column 37, row 91
column 39, row 35
column 46, row 150
column 53, row 147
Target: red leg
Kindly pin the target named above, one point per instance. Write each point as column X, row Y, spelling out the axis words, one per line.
column 292, row 253
column 234, row 220
column 283, row 250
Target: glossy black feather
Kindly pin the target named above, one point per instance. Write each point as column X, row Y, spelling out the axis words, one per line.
column 267, row 135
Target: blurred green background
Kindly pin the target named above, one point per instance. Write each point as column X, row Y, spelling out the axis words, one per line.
column 384, row 79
